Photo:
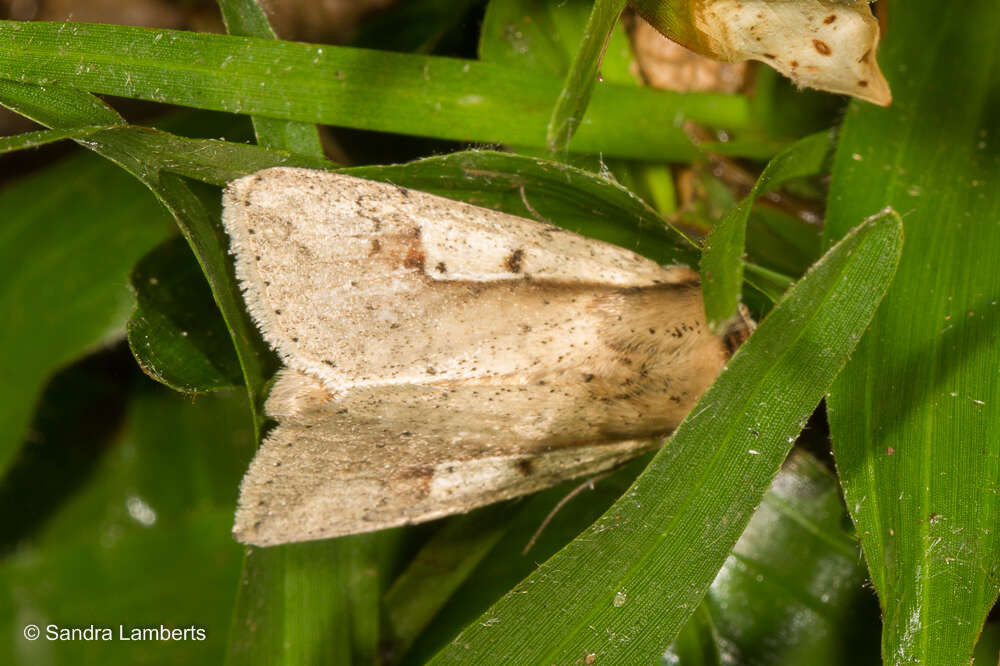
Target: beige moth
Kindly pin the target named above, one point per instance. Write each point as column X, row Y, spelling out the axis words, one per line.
column 441, row 356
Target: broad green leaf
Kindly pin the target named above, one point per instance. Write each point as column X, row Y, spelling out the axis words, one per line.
column 182, row 577
column 650, row 559
column 722, row 257
column 914, row 415
column 200, row 227
column 175, row 332
column 246, row 18
column 67, row 246
column 402, row 93
column 571, row 105
column 139, row 534
column 792, row 591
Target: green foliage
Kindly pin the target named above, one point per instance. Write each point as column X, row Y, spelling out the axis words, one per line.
column 722, row 547
column 722, row 256
column 913, row 416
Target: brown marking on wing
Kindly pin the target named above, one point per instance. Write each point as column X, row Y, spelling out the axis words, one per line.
column 514, row 260
column 822, row 47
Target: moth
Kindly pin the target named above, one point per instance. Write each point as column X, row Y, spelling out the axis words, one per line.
column 824, row 44
column 440, row 356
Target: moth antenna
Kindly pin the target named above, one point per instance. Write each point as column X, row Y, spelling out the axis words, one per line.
column 589, row 483
column 531, row 209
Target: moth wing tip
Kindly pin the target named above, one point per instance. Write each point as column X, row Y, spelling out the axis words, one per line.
column 878, row 92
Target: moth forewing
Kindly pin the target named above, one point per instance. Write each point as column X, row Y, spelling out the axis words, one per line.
column 442, row 356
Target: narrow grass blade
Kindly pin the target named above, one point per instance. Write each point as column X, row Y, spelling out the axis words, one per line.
column 246, row 18
column 583, row 72
column 440, row 97
column 650, row 559
column 207, row 160
column 10, row 144
column 722, row 257
column 58, row 107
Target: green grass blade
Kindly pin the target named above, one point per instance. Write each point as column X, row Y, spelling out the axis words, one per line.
column 403, row 93
column 10, row 144
column 438, row 569
column 583, row 72
column 246, row 18
column 58, row 107
column 649, row 560
column 915, row 416
column 722, row 257
column 291, row 608
column 80, row 115
column 768, row 282
column 310, row 603
column 207, row 160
